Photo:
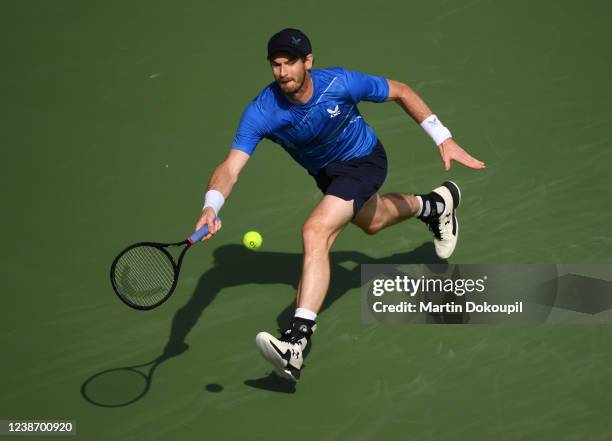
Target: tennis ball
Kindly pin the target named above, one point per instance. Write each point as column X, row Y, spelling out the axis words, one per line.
column 252, row 240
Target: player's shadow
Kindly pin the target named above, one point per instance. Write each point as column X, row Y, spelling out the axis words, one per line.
column 234, row 265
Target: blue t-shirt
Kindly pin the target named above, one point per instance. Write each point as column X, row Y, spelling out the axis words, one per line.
column 327, row 128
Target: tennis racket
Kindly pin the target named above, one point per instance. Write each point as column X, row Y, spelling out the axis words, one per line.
column 145, row 274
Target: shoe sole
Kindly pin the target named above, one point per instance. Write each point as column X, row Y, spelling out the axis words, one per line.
column 269, row 353
column 455, row 192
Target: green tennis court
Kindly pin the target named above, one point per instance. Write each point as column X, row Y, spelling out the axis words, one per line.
column 115, row 113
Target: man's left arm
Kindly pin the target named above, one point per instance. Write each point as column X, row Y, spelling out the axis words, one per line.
column 414, row 106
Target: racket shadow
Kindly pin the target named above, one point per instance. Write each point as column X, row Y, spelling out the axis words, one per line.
column 122, row 386
column 118, row 387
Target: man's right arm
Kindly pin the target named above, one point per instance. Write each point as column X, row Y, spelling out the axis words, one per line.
column 222, row 180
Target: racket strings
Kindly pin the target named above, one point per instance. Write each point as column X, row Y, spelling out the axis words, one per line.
column 144, row 275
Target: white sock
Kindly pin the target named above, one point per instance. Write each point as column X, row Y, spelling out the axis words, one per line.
column 425, row 207
column 420, row 210
column 305, row 314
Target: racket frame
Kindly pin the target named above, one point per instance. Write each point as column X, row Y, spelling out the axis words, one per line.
column 176, row 265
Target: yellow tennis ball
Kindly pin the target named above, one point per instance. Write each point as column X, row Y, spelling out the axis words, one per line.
column 252, row 240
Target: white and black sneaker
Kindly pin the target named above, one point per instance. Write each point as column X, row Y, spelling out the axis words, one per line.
column 439, row 213
column 287, row 353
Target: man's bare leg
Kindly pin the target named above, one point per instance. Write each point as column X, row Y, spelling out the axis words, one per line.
column 382, row 211
column 320, row 230
column 438, row 212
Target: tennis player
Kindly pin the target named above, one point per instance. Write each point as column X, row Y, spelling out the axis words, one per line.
column 313, row 115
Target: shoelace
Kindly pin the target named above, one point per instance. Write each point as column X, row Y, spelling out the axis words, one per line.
column 294, row 341
column 289, row 337
column 434, row 226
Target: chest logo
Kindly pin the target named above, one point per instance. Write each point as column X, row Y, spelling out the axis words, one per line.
column 333, row 112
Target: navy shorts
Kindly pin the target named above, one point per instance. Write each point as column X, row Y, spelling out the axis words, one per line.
column 356, row 179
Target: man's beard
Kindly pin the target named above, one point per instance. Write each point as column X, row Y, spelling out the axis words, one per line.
column 292, row 87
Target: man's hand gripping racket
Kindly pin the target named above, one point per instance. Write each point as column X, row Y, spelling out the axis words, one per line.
column 145, row 274
column 209, row 219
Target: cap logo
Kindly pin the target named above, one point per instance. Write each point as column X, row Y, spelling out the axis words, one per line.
column 296, row 41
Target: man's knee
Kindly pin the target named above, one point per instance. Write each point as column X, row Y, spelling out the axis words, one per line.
column 325, row 222
column 315, row 231
column 318, row 236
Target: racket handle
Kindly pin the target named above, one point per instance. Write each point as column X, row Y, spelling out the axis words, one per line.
column 199, row 234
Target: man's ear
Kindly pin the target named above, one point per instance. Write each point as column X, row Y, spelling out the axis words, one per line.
column 308, row 61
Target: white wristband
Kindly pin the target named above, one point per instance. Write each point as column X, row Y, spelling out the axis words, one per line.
column 214, row 199
column 435, row 129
